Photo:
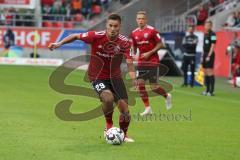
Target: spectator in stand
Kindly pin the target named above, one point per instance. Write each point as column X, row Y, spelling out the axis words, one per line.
column 8, row 17
column 237, row 22
column 105, row 4
column 46, row 11
column 202, row 15
column 231, row 20
column 76, row 6
column 28, row 18
column 2, row 18
column 59, row 10
column 68, row 11
column 87, row 8
column 211, row 8
column 230, row 5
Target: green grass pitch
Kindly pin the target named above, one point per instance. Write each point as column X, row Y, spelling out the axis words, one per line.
column 207, row 128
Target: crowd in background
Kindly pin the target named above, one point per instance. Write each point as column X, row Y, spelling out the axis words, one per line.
column 68, row 8
column 210, row 8
column 16, row 17
column 233, row 20
column 57, row 10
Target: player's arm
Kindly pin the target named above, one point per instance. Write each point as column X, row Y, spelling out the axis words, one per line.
column 158, row 46
column 134, row 47
column 211, row 50
column 130, row 65
column 213, row 39
column 131, row 71
column 184, row 42
column 65, row 40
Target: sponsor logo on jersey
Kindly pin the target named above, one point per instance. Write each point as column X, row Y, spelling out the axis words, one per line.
column 145, row 35
column 143, row 42
column 105, row 55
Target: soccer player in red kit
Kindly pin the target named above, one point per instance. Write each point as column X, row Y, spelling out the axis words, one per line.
column 147, row 41
column 236, row 64
column 107, row 50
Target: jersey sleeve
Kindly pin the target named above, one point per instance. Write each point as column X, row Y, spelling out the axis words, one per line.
column 87, row 37
column 133, row 44
column 213, row 38
column 184, row 41
column 156, row 36
column 127, row 50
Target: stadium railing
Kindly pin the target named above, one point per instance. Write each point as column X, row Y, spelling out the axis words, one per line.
column 220, row 7
column 18, row 19
column 175, row 23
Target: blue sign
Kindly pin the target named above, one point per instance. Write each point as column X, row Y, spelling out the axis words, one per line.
column 76, row 45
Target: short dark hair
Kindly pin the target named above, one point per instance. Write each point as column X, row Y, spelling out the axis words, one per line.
column 115, row 16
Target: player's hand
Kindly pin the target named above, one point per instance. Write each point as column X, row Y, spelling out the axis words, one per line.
column 135, row 58
column 207, row 58
column 53, row 46
column 145, row 55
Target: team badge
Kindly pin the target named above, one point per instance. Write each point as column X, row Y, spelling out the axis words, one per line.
column 145, row 35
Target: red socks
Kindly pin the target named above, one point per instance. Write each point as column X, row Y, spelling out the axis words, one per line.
column 124, row 121
column 160, row 91
column 144, row 95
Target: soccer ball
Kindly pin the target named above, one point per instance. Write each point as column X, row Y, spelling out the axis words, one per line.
column 114, row 136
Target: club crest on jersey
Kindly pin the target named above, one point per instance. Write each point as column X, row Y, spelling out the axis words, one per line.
column 145, row 35
column 111, row 48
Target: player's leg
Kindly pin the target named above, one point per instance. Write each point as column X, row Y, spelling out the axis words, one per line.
column 124, row 118
column 211, row 75
column 153, row 79
column 206, row 77
column 121, row 98
column 144, row 96
column 107, row 100
column 102, row 87
column 142, row 76
column 161, row 91
column 211, row 81
column 192, row 66
column 185, row 69
column 235, row 73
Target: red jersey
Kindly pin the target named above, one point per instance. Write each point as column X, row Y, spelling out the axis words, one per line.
column 145, row 40
column 237, row 59
column 106, row 55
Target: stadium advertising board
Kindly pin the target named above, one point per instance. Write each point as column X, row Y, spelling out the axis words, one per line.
column 24, row 37
column 18, row 3
column 31, row 61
